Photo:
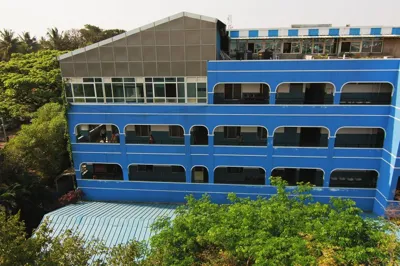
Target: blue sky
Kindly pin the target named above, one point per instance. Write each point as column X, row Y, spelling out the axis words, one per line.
column 37, row 16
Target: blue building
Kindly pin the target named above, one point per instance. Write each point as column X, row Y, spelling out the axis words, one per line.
column 184, row 106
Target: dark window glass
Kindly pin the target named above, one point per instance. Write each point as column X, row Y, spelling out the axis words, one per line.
column 89, row 90
column 159, row 90
column 170, row 79
column 181, row 79
column 68, row 89
column 201, row 90
column 377, row 47
column 130, row 92
column 158, row 79
column 129, row 79
column 118, row 91
column 78, row 90
column 88, row 79
column 148, row 80
column 97, row 80
column 142, row 130
column 116, row 79
column 140, row 92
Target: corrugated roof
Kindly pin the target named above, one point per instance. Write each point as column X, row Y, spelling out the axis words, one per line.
column 113, row 223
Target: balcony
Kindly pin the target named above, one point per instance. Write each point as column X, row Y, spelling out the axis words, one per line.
column 305, row 93
column 154, row 134
column 240, row 136
column 301, row 137
column 97, row 133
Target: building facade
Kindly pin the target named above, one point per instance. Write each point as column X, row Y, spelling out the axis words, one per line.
column 183, row 106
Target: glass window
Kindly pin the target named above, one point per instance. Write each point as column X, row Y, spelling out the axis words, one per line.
column 118, row 92
column 257, row 46
column 149, row 92
column 142, row 130
column 307, row 44
column 140, row 93
column 130, row 92
column 242, row 45
column 98, row 80
column 287, row 47
column 318, row 48
column 99, row 92
column 116, row 79
column 330, row 46
column 159, row 90
column 176, row 131
column 295, row 48
column 191, row 92
column 88, row 79
column 181, row 92
column 366, row 46
column 68, row 90
column 355, row 47
column 129, row 79
column 377, row 47
column 78, row 90
column 201, row 90
column 108, row 90
column 170, row 79
column 148, row 80
column 89, row 90
column 158, row 80
column 181, row 79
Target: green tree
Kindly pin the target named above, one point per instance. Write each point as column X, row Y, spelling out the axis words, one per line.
column 41, row 144
column 28, row 82
column 28, row 44
column 281, row 230
column 67, row 249
column 55, row 41
column 8, row 44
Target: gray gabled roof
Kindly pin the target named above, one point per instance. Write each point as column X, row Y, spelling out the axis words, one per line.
column 134, row 31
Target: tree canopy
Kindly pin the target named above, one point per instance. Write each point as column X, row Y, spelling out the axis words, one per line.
column 281, row 230
column 42, row 143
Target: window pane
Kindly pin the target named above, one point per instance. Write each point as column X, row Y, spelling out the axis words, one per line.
column 181, row 90
column 149, row 92
column 118, row 90
column 148, row 80
column 130, row 92
column 181, row 79
column 318, row 48
column 78, row 90
column 355, row 47
column 107, row 88
column 97, row 80
column 330, row 47
column 140, row 93
column 307, row 46
column 202, row 100
column 89, row 90
column 99, row 92
column 68, row 90
column 116, row 79
column 159, row 90
column 201, row 90
column 295, row 47
column 191, row 90
column 366, row 46
column 88, row 79
column 377, row 47
column 170, row 79
column 158, row 79
column 129, row 79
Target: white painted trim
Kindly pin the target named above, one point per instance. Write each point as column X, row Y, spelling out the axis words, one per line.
column 302, row 70
column 156, row 164
column 240, row 166
column 96, row 143
column 367, row 158
column 293, row 156
column 241, row 146
column 384, row 130
column 96, row 152
column 241, row 155
column 199, row 165
column 356, row 148
column 394, row 167
column 222, row 114
column 160, row 145
column 154, row 153
column 391, row 154
column 192, row 154
column 299, row 147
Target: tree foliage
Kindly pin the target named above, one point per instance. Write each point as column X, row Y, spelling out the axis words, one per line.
column 67, row 249
column 8, row 44
column 26, row 83
column 281, row 230
column 41, row 146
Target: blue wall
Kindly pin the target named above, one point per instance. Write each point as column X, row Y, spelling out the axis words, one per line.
column 333, row 117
